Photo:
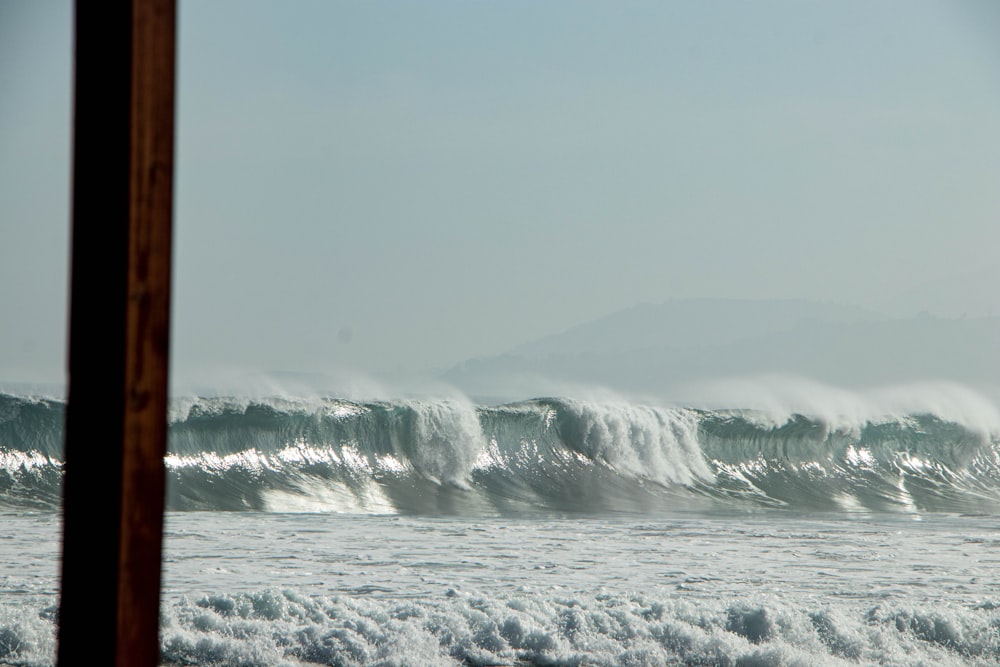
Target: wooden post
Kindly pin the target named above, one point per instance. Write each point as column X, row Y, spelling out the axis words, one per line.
column 113, row 497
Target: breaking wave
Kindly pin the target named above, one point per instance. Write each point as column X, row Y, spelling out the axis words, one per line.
column 549, row 455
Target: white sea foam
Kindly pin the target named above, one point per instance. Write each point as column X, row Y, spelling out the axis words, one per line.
column 771, row 589
column 639, row 440
column 448, row 440
column 273, row 627
column 325, row 496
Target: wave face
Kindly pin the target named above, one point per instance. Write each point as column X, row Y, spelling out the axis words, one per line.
column 549, row 455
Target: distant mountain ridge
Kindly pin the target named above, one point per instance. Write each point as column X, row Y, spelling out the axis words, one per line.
column 658, row 348
column 690, row 322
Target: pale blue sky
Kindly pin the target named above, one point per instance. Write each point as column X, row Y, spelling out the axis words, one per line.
column 448, row 179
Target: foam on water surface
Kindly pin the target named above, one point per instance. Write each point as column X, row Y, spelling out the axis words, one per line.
column 280, row 589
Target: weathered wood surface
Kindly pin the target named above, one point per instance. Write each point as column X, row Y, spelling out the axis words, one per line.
column 119, row 332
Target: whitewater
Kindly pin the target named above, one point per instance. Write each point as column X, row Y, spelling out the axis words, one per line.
column 548, row 531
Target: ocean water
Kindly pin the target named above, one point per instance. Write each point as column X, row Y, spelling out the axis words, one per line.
column 553, row 531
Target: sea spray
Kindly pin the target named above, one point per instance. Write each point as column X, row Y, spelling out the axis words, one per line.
column 446, row 440
column 637, row 440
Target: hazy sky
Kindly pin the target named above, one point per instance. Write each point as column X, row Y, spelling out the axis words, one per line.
column 401, row 185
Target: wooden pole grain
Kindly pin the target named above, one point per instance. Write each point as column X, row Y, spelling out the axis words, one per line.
column 114, row 487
